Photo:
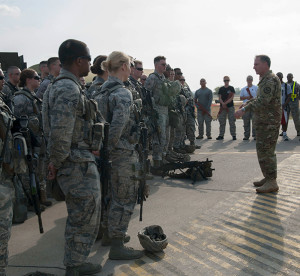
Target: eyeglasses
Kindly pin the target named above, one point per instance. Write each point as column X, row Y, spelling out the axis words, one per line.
column 143, row 79
column 36, row 78
column 182, row 79
column 179, row 74
column 1, row 77
column 226, row 80
column 89, row 58
column 139, row 69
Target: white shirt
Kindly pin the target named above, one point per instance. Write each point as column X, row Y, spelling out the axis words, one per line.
column 244, row 92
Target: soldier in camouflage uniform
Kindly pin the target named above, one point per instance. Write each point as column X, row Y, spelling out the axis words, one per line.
column 53, row 64
column 100, row 78
column 267, row 111
column 71, row 160
column 11, row 86
column 6, row 183
column 294, row 102
column 116, row 105
column 27, row 103
column 154, row 84
column 190, row 112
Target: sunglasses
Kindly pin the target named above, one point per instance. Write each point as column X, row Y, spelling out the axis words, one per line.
column 139, row 69
column 36, row 78
column 1, row 77
column 182, row 80
column 163, row 64
column 89, row 58
column 179, row 74
column 226, row 80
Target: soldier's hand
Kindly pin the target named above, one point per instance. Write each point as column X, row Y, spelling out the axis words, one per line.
column 51, row 171
column 238, row 114
column 96, row 153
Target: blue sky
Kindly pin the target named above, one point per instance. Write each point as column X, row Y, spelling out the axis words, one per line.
column 207, row 39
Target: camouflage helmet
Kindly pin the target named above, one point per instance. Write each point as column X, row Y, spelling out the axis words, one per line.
column 152, row 238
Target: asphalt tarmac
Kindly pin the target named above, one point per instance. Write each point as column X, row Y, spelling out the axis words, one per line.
column 215, row 227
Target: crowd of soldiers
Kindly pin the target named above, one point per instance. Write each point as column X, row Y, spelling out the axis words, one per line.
column 52, row 136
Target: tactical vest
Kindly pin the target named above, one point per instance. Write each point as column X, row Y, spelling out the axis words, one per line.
column 85, row 128
column 169, row 90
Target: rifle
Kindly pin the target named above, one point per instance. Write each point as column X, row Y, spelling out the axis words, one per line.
column 152, row 114
column 202, row 108
column 105, row 168
column 31, row 168
column 193, row 167
column 145, row 164
column 5, row 142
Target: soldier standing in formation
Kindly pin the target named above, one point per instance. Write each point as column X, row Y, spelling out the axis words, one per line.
column 11, row 86
column 100, row 78
column 71, row 160
column 6, row 181
column 154, row 84
column 267, row 111
column 53, row 65
column 116, row 105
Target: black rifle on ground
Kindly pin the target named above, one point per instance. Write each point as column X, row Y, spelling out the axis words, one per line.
column 145, row 167
column 31, row 169
column 105, row 168
column 196, row 170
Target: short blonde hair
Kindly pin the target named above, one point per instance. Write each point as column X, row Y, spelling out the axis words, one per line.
column 114, row 61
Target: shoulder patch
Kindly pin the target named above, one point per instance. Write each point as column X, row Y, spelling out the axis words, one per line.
column 267, row 90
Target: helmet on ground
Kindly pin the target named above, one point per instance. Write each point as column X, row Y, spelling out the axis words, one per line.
column 152, row 238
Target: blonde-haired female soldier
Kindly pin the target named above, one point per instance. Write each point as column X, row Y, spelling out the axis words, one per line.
column 116, row 105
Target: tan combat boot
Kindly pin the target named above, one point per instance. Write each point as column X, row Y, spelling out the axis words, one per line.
column 269, row 187
column 106, row 240
column 259, row 183
column 120, row 252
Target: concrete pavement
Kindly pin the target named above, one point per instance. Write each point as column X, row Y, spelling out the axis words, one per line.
column 215, row 227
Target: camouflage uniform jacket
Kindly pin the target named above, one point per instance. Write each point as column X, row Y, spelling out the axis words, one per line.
column 96, row 86
column 154, row 84
column 44, row 84
column 119, row 113
column 267, row 104
column 68, row 122
column 27, row 103
column 8, row 91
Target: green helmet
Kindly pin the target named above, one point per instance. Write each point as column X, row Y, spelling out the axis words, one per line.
column 153, row 239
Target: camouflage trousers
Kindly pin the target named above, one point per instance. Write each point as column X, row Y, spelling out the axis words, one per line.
column 222, row 120
column 201, row 119
column 190, row 127
column 247, row 118
column 80, row 182
column 266, row 140
column 6, row 214
column 170, row 137
column 294, row 109
column 160, row 147
column 180, row 132
column 123, row 193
